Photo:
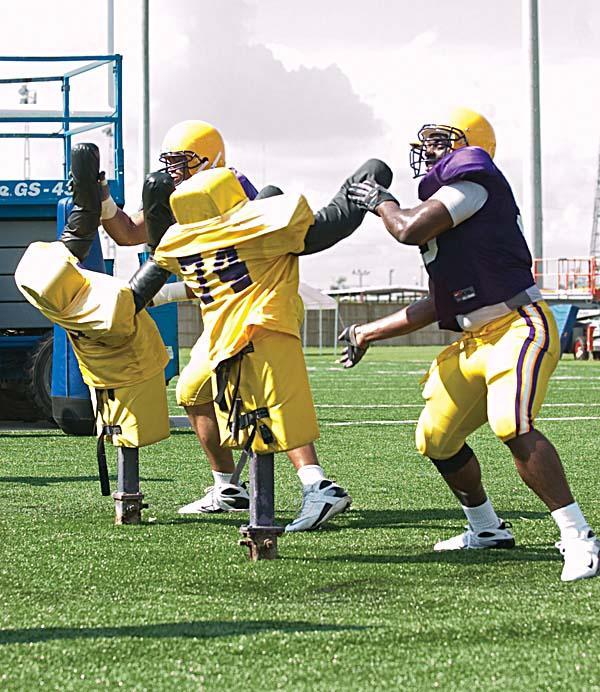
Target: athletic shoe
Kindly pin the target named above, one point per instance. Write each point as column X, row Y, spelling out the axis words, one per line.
column 222, row 498
column 320, row 501
column 580, row 554
column 488, row 538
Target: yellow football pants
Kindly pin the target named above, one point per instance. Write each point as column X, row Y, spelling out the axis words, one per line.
column 498, row 374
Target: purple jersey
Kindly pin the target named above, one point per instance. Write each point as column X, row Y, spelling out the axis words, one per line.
column 484, row 260
column 249, row 188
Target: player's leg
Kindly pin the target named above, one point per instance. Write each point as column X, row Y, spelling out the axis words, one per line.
column 341, row 217
column 454, row 407
column 517, row 395
column 274, row 378
column 194, row 393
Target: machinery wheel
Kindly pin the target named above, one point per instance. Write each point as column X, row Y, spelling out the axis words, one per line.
column 580, row 352
column 39, row 379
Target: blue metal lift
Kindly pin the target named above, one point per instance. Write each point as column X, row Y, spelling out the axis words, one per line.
column 33, row 383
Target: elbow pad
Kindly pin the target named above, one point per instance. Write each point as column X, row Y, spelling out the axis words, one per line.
column 146, row 283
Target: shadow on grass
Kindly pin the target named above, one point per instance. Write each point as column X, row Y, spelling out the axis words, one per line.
column 198, row 519
column 414, row 518
column 364, row 519
column 467, row 558
column 27, row 433
column 209, row 629
column 43, row 481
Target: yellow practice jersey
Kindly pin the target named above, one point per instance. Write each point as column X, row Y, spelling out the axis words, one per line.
column 114, row 346
column 242, row 268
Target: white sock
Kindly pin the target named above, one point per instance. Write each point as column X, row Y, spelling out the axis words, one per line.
column 221, row 478
column 482, row 517
column 310, row 474
column 570, row 520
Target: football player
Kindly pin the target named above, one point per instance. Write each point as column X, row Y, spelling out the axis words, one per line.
column 240, row 259
column 469, row 232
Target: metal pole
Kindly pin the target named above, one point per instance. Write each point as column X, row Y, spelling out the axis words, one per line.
column 128, row 498
column 595, row 243
column 110, row 48
column 146, row 89
column 260, row 535
column 532, row 169
column 336, row 324
column 320, row 330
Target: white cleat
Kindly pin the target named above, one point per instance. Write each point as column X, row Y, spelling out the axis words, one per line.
column 320, row 501
column 222, row 498
column 580, row 554
column 488, row 538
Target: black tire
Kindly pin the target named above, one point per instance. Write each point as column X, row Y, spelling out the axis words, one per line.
column 39, row 378
column 580, row 351
column 27, row 398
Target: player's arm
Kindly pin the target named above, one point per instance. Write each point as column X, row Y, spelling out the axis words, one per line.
column 122, row 228
column 445, row 209
column 409, row 319
column 358, row 337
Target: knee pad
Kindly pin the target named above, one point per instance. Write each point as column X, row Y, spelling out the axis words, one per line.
column 455, row 462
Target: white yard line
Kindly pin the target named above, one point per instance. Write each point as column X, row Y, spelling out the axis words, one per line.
column 182, row 422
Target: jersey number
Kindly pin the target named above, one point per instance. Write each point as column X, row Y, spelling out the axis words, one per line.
column 228, row 267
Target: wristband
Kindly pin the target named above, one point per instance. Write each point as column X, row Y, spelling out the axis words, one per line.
column 171, row 293
column 109, row 209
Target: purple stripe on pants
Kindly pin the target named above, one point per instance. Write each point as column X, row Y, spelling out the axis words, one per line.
column 524, row 348
column 538, row 361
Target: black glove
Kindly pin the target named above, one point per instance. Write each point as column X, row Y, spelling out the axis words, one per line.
column 369, row 195
column 352, row 353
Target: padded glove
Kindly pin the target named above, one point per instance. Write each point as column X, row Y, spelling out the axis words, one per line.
column 352, row 352
column 369, row 195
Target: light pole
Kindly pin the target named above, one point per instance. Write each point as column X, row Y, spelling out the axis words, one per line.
column 391, row 273
column 360, row 273
column 27, row 96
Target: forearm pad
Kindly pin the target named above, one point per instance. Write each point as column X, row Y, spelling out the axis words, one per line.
column 146, row 283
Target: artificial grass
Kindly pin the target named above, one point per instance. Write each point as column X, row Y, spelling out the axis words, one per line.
column 363, row 604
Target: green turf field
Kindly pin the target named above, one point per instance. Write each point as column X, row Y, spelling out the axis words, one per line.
column 362, row 605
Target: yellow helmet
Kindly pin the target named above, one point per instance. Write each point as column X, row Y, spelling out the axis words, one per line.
column 463, row 127
column 193, row 145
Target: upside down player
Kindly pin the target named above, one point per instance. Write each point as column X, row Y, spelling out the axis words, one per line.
column 469, row 232
column 240, row 259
